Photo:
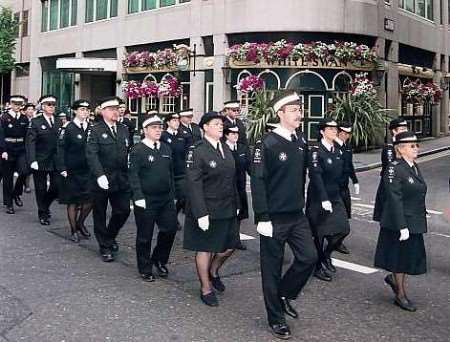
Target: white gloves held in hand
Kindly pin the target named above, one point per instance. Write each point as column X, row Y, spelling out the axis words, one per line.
column 265, row 228
column 356, row 188
column 203, row 223
column 5, row 155
column 140, row 203
column 326, row 205
column 102, row 182
column 64, row 174
column 404, row 234
column 34, row 165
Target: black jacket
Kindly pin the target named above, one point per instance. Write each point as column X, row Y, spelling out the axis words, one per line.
column 179, row 145
column 131, row 129
column 151, row 173
column 71, row 148
column 41, row 141
column 242, row 130
column 405, row 193
column 14, row 133
column 278, row 178
column 108, row 155
column 348, row 169
column 387, row 157
column 191, row 135
column 211, row 182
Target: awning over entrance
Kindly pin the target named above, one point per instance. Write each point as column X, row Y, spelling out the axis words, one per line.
column 87, row 65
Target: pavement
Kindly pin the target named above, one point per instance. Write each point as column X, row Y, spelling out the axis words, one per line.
column 372, row 159
column 53, row 290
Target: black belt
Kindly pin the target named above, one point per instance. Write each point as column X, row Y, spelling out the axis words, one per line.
column 14, row 140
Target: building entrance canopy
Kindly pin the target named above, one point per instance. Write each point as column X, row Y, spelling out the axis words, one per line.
column 87, row 65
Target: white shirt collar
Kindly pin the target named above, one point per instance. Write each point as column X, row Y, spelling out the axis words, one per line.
column 150, row 143
column 231, row 145
column 171, row 131
column 284, row 133
column 47, row 118
column 78, row 122
column 411, row 164
column 212, row 141
column 339, row 141
column 231, row 120
column 14, row 114
column 327, row 145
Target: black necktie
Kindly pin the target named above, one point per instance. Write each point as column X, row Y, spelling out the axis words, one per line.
column 113, row 129
column 51, row 122
column 155, row 145
column 82, row 126
column 293, row 138
column 415, row 170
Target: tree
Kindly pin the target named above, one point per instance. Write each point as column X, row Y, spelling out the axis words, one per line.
column 9, row 27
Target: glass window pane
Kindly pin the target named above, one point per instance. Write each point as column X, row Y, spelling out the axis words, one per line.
column 148, row 4
column 430, row 10
column 53, row 15
column 164, row 3
column 89, row 11
column 64, row 13
column 44, row 21
column 102, row 9
column 73, row 21
column 183, row 1
column 420, row 8
column 24, row 23
column 409, row 5
column 133, row 6
column 113, row 8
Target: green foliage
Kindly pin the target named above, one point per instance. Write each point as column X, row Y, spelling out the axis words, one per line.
column 367, row 116
column 8, row 30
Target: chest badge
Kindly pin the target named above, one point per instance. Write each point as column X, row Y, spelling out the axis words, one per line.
column 44, row 127
column 79, row 136
column 411, row 180
column 10, row 126
column 282, row 156
column 212, row 164
column 151, row 158
column 329, row 161
column 104, row 136
column 169, row 140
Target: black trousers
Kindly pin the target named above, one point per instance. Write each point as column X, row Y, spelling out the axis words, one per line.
column 165, row 217
column 106, row 234
column 297, row 234
column 15, row 164
column 45, row 195
column 347, row 199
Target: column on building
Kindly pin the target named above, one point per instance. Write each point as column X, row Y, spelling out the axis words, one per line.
column 197, row 82
column 120, row 52
column 393, row 94
column 436, row 109
column 222, row 91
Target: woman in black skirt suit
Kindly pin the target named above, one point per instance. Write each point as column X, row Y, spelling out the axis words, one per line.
column 324, row 206
column 72, row 165
column 211, row 227
column 400, row 248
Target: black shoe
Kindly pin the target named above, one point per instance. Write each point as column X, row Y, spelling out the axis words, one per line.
column 44, row 221
column 209, row 299
column 241, row 246
column 18, row 201
column 217, row 284
column 148, row 277
column 281, row 331
column 10, row 210
column 49, row 214
column 115, row 247
column 107, row 256
column 342, row 249
column 404, row 304
column 322, row 275
column 74, row 237
column 287, row 308
column 329, row 265
column 83, row 231
column 389, row 280
column 162, row 270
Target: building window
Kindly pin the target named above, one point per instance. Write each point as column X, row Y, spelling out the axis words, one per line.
column 167, row 104
column 17, row 20
column 135, row 6
column 57, row 14
column 24, row 23
column 23, row 70
column 423, row 8
column 100, row 10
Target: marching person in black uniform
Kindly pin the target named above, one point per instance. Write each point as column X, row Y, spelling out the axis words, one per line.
column 212, row 206
column 324, row 207
column 396, row 126
column 278, row 181
column 344, row 132
column 107, row 157
column 231, row 112
column 72, row 165
column 400, row 247
column 14, row 125
column 179, row 144
column 41, row 139
column 63, row 118
column 189, row 129
column 152, row 182
column 127, row 122
column 241, row 154
column 29, row 111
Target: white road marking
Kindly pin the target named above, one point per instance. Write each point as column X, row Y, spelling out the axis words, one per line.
column 245, row 237
column 370, row 206
column 439, row 234
column 353, row 267
column 356, row 198
column 434, row 212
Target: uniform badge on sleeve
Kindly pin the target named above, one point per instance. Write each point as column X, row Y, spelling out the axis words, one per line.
column 189, row 159
column 212, row 164
column 257, row 156
column 282, row 156
column 391, row 173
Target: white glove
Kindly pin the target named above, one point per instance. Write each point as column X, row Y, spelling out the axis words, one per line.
column 265, row 228
column 356, row 187
column 5, row 155
column 140, row 203
column 34, row 165
column 238, row 211
column 203, row 223
column 102, row 182
column 326, row 205
column 64, row 174
column 404, row 234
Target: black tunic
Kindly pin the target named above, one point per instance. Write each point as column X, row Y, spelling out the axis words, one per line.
column 179, row 145
column 347, row 173
column 71, row 157
column 387, row 157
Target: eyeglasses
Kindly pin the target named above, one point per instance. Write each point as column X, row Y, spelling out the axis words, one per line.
column 50, row 104
column 414, row 146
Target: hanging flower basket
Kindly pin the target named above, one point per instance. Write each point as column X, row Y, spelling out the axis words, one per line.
column 417, row 92
column 169, row 86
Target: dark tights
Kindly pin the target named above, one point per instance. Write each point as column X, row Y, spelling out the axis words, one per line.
column 77, row 214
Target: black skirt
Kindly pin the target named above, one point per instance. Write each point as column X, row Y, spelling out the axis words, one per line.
column 401, row 256
column 75, row 188
column 221, row 235
column 325, row 223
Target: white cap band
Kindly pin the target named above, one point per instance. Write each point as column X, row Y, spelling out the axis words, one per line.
column 16, row 99
column 232, row 105
column 284, row 101
column 110, row 103
column 48, row 99
column 153, row 120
